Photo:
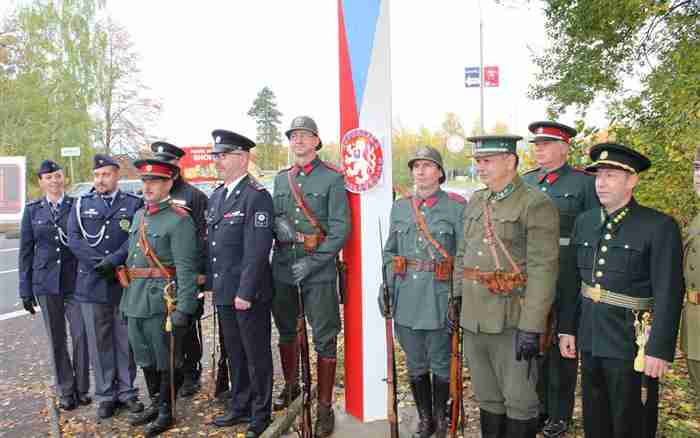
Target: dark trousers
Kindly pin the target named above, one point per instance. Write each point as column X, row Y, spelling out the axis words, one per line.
column 556, row 386
column 247, row 336
column 612, row 399
column 70, row 376
column 192, row 346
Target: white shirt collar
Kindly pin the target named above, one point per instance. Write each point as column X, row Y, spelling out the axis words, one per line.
column 58, row 202
column 232, row 185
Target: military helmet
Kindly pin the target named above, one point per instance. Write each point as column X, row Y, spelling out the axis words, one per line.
column 430, row 154
column 304, row 123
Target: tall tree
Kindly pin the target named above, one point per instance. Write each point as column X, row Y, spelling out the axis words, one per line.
column 126, row 114
column 267, row 120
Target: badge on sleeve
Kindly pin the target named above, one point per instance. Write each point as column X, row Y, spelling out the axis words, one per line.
column 124, row 224
column 262, row 219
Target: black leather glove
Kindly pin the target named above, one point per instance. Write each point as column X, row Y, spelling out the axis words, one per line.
column 180, row 319
column 284, row 230
column 454, row 309
column 29, row 303
column 527, row 345
column 385, row 311
column 105, row 269
column 301, row 269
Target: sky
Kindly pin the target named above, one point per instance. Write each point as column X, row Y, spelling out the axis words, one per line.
column 207, row 60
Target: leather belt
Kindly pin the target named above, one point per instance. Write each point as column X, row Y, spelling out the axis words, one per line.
column 599, row 295
column 693, row 297
column 421, row 265
column 300, row 238
column 472, row 274
column 149, row 272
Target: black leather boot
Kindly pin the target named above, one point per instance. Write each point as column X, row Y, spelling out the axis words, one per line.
column 441, row 393
column 492, row 425
column 165, row 421
column 422, row 395
column 150, row 413
column 521, row 428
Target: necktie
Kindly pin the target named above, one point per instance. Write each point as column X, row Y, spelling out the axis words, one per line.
column 54, row 209
column 223, row 198
column 108, row 201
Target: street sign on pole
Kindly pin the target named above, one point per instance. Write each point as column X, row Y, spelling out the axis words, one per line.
column 70, row 152
column 472, row 79
column 491, row 76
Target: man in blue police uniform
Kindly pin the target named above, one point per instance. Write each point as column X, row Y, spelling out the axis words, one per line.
column 47, row 272
column 240, row 237
column 98, row 236
column 195, row 202
column 573, row 192
column 625, row 321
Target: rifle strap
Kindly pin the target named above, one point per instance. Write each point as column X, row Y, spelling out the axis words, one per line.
column 299, row 199
column 151, row 256
column 492, row 238
column 421, row 224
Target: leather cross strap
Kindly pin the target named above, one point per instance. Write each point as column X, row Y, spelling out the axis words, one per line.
column 492, row 236
column 299, row 199
column 421, row 224
column 148, row 272
column 151, row 256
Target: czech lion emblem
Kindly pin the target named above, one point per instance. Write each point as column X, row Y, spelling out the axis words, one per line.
column 362, row 160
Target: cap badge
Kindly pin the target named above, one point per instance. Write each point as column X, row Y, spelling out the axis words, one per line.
column 149, row 168
column 604, row 155
column 160, row 149
column 218, row 139
column 101, row 161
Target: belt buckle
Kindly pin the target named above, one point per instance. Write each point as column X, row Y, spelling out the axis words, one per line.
column 595, row 293
column 694, row 297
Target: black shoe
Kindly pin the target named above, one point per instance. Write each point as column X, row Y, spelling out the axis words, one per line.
column 83, row 399
column 164, row 422
column 67, row 402
column 231, row 418
column 147, row 415
column 542, row 421
column 325, row 421
column 133, row 405
column 105, row 409
column 190, row 386
column 256, row 430
column 555, row 429
column 422, row 395
column 288, row 394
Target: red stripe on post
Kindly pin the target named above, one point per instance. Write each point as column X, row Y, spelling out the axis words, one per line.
column 352, row 253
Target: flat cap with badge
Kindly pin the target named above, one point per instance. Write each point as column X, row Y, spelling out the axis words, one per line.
column 487, row 145
column 155, row 168
column 617, row 156
column 229, row 141
column 102, row 160
column 48, row 166
column 551, row 131
column 166, row 151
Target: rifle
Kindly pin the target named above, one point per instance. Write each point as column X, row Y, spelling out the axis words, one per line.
column 303, row 340
column 390, row 358
column 456, row 395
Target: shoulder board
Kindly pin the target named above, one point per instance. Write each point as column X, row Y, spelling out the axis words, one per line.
column 582, row 170
column 219, row 186
column 254, row 183
column 34, row 202
column 133, row 195
column 332, row 166
column 286, row 169
column 180, row 210
column 536, row 169
column 456, row 197
column 88, row 195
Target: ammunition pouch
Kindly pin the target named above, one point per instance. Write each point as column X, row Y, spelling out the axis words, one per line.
column 312, row 241
column 443, row 269
column 497, row 282
column 399, row 265
column 122, row 273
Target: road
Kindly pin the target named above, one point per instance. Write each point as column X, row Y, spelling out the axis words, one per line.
column 9, row 280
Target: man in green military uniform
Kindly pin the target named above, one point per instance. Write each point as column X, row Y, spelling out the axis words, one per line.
column 418, row 257
column 573, row 192
column 506, row 270
column 624, row 323
column 690, row 329
column 162, row 294
column 312, row 223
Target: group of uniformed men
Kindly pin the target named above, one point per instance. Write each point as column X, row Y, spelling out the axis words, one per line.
column 539, row 271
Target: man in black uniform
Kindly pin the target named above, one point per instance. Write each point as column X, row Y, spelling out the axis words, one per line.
column 629, row 261
column 573, row 192
column 239, row 221
column 194, row 201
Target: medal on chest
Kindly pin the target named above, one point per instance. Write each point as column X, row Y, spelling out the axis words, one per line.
column 124, row 224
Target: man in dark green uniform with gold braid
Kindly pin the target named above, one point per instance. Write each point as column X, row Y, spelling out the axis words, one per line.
column 171, row 235
column 308, row 240
column 506, row 270
column 573, row 192
column 419, row 266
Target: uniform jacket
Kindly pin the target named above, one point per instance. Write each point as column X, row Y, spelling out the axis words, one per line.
column 527, row 222
column 171, row 233
column 324, row 193
column 639, row 256
column 421, row 301
column 690, row 331
column 184, row 193
column 573, row 192
column 46, row 265
column 239, row 239
column 113, row 244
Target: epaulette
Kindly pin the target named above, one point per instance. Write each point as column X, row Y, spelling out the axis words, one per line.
column 179, row 210
column 286, row 169
column 254, row 183
column 582, row 170
column 536, row 169
column 332, row 167
column 179, row 203
column 218, row 187
column 88, row 194
column 457, row 197
column 133, row 195
column 34, row 202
